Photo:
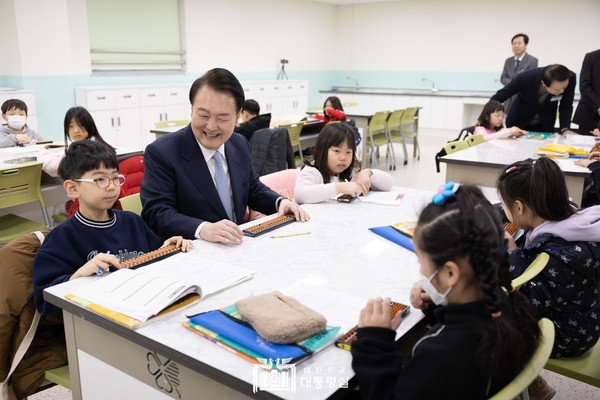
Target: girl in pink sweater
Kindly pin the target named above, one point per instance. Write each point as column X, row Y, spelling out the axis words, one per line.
column 489, row 123
column 335, row 169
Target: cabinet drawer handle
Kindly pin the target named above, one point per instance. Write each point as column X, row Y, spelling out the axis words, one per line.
column 152, row 95
column 127, row 96
column 100, row 97
column 173, row 94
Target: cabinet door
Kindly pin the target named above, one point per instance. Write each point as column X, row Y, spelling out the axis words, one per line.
column 106, row 123
column 148, row 117
column 129, row 133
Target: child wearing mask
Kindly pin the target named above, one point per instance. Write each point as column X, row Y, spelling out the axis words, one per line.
column 15, row 130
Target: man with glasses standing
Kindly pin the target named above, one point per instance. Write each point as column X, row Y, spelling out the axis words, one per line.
column 96, row 236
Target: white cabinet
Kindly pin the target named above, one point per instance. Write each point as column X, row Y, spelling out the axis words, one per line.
column 280, row 98
column 125, row 115
column 162, row 104
column 116, row 114
column 29, row 98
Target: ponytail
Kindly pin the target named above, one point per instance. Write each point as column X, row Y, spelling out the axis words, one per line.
column 467, row 225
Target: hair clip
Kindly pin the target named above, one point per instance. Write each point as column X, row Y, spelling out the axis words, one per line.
column 511, row 169
column 445, row 191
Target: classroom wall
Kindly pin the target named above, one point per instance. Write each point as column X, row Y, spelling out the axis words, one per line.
column 459, row 45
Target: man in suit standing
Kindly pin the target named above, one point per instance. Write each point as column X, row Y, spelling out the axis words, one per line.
column 521, row 61
column 587, row 115
column 199, row 180
column 538, row 93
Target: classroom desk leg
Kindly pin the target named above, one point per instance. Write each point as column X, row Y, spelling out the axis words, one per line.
column 69, row 323
column 362, row 122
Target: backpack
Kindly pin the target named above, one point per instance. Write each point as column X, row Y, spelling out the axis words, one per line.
column 464, row 133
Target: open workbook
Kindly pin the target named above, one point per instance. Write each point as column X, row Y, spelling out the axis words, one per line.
column 133, row 296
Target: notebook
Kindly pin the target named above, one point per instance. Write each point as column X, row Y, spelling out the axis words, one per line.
column 395, row 235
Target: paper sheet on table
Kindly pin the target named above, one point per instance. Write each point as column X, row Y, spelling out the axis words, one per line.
column 392, row 198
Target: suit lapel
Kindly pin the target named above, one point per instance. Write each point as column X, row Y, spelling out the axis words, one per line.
column 197, row 171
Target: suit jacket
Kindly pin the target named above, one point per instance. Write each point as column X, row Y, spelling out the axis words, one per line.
column 586, row 115
column 509, row 72
column 178, row 192
column 525, row 104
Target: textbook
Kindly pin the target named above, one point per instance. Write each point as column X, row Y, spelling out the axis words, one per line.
column 399, row 233
column 226, row 329
column 133, row 296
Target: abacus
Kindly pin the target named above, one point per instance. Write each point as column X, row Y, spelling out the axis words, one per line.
column 270, row 225
column 510, row 228
column 150, row 257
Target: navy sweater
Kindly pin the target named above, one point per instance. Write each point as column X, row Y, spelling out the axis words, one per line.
column 78, row 240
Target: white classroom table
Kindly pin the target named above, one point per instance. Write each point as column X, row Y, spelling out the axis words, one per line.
column 164, row 360
column 481, row 164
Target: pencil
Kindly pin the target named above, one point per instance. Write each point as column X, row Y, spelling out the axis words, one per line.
column 290, row 235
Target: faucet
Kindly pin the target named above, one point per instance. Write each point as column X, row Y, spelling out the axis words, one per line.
column 355, row 81
column 433, row 88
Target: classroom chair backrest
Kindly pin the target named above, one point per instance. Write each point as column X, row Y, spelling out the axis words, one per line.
column 294, row 131
column 393, row 122
column 474, row 140
column 466, row 132
column 585, row 368
column 409, row 121
column 132, row 203
column 132, row 166
column 533, row 367
column 18, row 186
column 532, row 270
column 453, row 147
column 171, row 123
column 378, row 122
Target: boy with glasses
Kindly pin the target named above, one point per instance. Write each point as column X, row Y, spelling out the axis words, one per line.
column 96, row 236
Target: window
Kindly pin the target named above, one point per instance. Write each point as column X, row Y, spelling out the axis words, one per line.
column 135, row 35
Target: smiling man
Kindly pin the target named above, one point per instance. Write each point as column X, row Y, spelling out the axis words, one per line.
column 199, row 180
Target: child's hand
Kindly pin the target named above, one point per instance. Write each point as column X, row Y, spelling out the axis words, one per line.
column 377, row 314
column 363, row 179
column 516, row 131
column 22, row 138
column 418, row 298
column 512, row 245
column 596, row 132
column 351, row 188
column 101, row 263
column 179, row 241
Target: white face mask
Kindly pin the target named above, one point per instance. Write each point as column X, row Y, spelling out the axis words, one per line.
column 16, row 121
column 439, row 299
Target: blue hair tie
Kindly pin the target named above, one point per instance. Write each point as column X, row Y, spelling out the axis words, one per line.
column 445, row 191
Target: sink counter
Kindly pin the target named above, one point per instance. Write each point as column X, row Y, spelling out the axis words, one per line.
column 410, row 92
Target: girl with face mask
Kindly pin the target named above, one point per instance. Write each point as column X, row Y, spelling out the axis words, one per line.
column 483, row 333
column 14, row 130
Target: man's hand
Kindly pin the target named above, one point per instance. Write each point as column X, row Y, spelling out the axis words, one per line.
column 291, row 207
column 223, row 231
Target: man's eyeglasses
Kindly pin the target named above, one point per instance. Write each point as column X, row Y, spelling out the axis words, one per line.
column 103, row 181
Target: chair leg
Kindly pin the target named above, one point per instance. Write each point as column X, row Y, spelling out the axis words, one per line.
column 416, row 148
column 404, row 147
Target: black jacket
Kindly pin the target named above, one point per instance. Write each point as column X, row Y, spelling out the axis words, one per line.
column 441, row 366
column 525, row 105
column 248, row 128
column 271, row 151
column 586, row 115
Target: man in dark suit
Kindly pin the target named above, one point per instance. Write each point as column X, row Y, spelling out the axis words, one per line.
column 587, row 115
column 199, row 180
column 538, row 93
column 521, row 61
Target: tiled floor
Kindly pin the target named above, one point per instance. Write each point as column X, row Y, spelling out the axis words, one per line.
column 422, row 174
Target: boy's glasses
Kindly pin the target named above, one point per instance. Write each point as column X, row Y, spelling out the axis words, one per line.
column 103, row 181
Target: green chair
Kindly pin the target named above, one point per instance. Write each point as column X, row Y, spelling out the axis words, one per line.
column 474, row 140
column 132, row 203
column 171, row 123
column 409, row 129
column 453, row 147
column 532, row 270
column 18, row 186
column 294, row 131
column 59, row 376
column 585, row 368
column 378, row 136
column 533, row 368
